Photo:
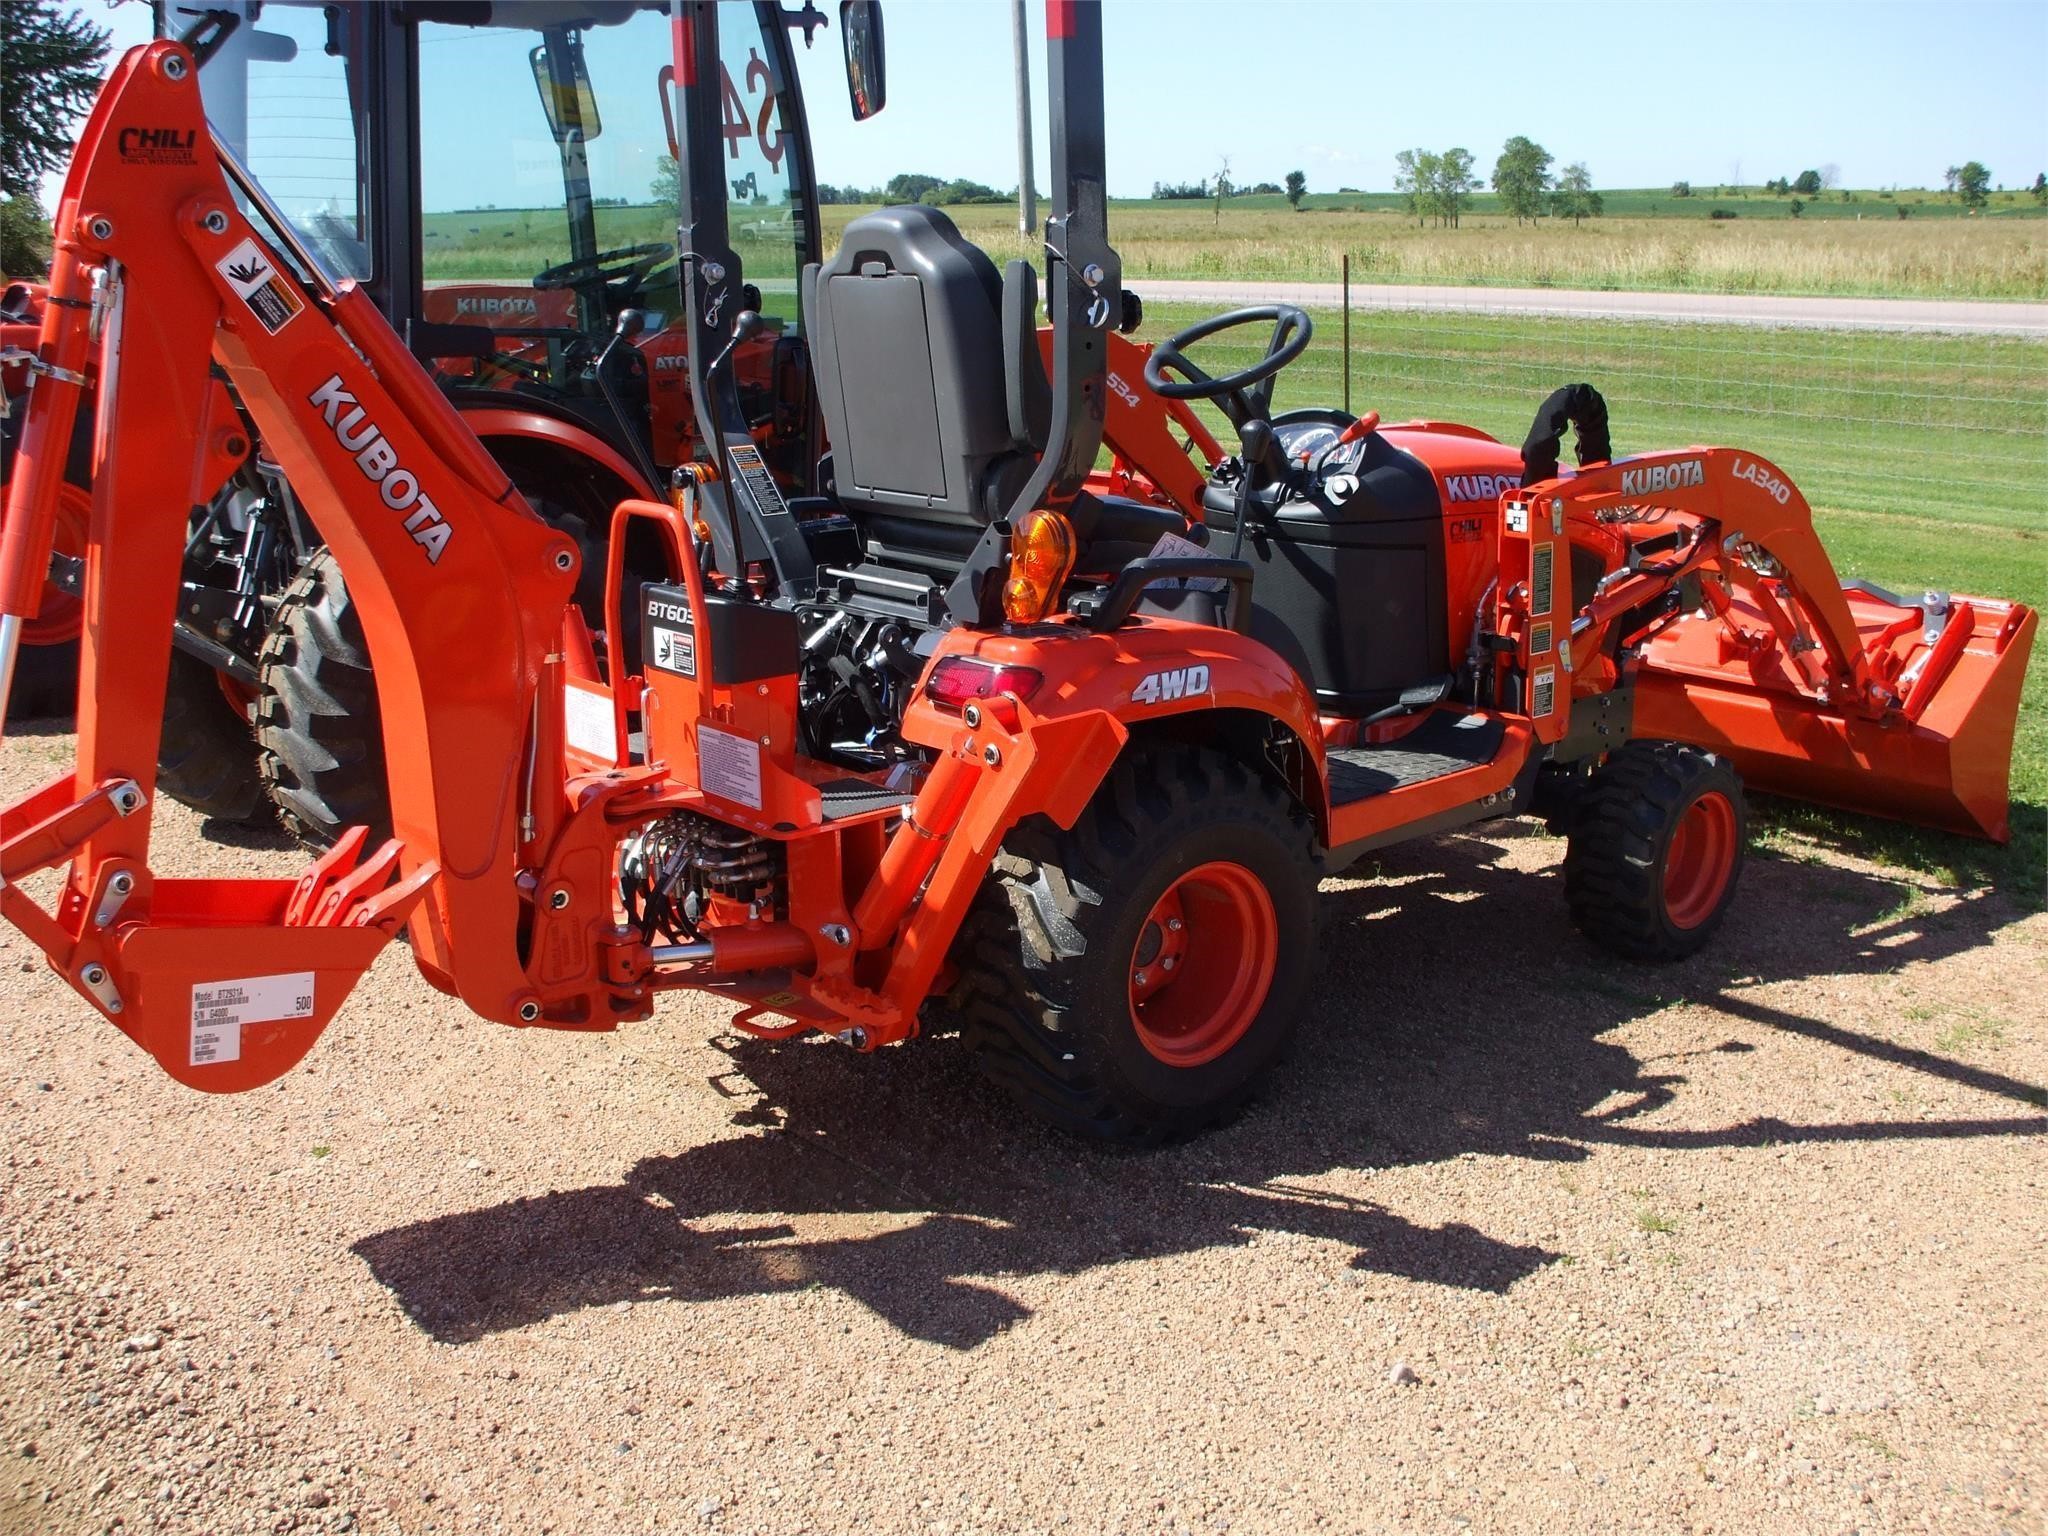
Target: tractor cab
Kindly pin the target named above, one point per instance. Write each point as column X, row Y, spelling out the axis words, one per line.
column 503, row 179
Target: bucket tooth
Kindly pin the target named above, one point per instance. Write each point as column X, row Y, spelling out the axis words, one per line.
column 322, row 873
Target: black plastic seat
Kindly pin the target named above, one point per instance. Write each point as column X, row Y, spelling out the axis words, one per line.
column 916, row 378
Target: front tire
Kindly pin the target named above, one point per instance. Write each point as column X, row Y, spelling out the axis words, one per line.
column 1655, row 850
column 1132, row 979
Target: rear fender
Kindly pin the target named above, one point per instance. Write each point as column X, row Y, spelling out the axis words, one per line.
column 497, row 421
column 1047, row 755
column 1158, row 675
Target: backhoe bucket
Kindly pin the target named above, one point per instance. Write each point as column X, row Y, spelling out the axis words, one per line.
column 1937, row 756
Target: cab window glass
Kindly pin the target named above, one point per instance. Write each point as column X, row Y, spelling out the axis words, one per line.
column 762, row 163
column 282, row 104
column 521, row 207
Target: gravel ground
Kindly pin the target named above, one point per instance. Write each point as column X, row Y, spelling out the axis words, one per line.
column 1521, row 1240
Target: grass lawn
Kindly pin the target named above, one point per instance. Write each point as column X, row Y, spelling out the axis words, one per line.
column 2002, row 255
column 1995, row 257
column 1925, row 457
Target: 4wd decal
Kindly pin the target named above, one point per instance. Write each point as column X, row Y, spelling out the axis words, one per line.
column 1653, row 478
column 270, row 298
column 1164, row 687
column 378, row 461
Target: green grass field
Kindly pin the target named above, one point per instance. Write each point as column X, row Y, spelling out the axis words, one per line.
column 1925, row 457
column 1997, row 257
column 1645, row 242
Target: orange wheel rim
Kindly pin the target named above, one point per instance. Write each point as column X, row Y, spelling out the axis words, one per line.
column 1203, row 964
column 1700, row 860
column 63, row 616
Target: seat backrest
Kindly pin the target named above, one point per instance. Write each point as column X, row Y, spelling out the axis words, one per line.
column 906, row 325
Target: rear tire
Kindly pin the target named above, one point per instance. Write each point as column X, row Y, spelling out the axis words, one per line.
column 317, row 720
column 1074, row 997
column 206, row 757
column 45, row 682
column 1655, row 850
column 46, row 664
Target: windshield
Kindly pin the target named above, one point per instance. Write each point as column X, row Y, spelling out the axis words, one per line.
column 542, row 140
column 510, row 191
column 508, row 197
column 278, row 94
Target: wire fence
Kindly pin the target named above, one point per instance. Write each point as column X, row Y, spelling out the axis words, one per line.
column 1912, row 427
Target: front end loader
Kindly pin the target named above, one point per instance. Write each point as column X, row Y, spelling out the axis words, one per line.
column 1090, row 831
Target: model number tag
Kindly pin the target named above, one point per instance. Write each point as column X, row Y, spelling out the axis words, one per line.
column 1164, row 687
column 221, row 1008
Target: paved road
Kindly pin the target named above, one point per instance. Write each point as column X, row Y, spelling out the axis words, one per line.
column 1720, row 308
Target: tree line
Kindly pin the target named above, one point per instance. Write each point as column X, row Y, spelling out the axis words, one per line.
column 1438, row 184
column 916, row 187
column 1294, row 189
column 49, row 74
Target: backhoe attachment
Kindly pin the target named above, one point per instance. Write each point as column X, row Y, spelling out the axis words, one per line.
column 171, row 271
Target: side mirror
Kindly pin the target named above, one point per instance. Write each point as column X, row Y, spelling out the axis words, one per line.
column 860, row 31
column 565, row 94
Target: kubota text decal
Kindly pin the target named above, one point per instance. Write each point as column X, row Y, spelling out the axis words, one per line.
column 378, row 461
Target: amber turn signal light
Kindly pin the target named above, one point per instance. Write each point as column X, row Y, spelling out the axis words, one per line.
column 1041, row 555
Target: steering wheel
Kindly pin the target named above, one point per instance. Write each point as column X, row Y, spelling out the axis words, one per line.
column 1291, row 331
column 629, row 263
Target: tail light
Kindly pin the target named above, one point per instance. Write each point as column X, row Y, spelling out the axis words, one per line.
column 958, row 681
column 1041, row 555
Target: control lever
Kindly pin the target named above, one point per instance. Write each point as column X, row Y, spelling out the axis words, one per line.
column 631, row 323
column 1258, row 445
column 745, row 326
column 1364, row 426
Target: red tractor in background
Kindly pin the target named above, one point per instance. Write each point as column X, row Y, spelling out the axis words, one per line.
column 571, row 368
column 1123, row 738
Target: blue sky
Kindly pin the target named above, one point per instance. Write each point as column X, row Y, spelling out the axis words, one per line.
column 1645, row 94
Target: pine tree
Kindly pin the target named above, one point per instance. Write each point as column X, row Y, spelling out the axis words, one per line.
column 49, row 74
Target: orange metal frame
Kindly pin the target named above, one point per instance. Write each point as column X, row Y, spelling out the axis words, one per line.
column 503, row 867
column 1839, row 695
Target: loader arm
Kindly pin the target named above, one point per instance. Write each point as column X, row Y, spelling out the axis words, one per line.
column 160, row 272
column 1818, row 689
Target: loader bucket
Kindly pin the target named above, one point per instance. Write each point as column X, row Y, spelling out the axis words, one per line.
column 1938, row 755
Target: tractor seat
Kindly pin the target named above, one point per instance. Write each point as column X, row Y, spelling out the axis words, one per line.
column 908, row 339
column 935, row 396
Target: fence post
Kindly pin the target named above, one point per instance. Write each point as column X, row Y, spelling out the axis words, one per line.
column 1347, row 333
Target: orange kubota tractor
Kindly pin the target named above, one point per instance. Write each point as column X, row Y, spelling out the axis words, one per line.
column 1138, row 734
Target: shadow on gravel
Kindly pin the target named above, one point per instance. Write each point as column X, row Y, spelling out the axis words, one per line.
column 1459, row 1015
